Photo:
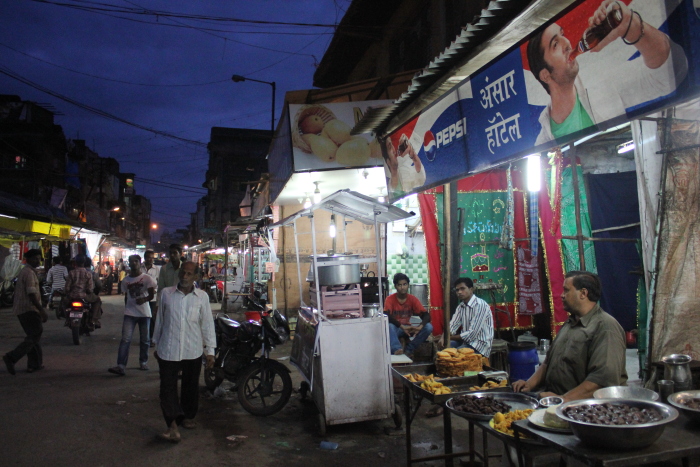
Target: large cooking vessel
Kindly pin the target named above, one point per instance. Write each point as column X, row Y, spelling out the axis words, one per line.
column 338, row 273
column 420, row 291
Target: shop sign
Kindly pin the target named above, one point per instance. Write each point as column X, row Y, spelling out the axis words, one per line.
column 320, row 135
column 504, row 111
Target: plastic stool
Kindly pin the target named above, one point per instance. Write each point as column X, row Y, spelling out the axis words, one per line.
column 499, row 355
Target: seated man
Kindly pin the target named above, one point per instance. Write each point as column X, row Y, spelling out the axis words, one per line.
column 472, row 324
column 399, row 307
column 589, row 351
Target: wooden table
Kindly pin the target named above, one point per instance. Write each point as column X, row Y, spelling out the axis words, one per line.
column 680, row 440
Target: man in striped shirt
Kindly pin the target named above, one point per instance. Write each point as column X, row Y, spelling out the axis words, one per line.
column 472, row 324
column 56, row 276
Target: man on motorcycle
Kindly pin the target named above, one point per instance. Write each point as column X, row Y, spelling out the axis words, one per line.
column 79, row 283
column 56, row 276
column 184, row 326
column 93, row 297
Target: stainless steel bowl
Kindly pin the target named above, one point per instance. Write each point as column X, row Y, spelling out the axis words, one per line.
column 676, row 398
column 550, row 401
column 626, row 392
column 619, row 436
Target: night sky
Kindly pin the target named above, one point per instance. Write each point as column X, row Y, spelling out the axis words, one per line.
column 136, row 62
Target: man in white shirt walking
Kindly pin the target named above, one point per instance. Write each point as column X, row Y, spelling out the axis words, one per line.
column 184, row 326
column 138, row 290
column 152, row 270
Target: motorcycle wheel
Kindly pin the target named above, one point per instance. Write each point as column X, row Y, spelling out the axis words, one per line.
column 76, row 334
column 264, row 390
column 6, row 298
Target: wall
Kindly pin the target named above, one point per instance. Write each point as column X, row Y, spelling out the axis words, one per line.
column 361, row 240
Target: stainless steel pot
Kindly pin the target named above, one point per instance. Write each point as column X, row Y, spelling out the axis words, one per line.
column 336, row 274
column 677, row 369
column 370, row 311
column 420, row 291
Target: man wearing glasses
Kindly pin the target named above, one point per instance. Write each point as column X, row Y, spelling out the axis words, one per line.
column 589, row 351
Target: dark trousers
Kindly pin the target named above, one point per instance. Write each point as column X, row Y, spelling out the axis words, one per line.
column 153, row 317
column 178, row 408
column 31, row 323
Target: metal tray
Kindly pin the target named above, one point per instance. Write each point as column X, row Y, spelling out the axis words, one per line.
column 516, row 400
column 457, row 384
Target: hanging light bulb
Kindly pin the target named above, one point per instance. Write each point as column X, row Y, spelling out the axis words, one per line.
column 331, row 230
column 317, row 194
column 381, row 197
column 534, row 179
column 307, row 203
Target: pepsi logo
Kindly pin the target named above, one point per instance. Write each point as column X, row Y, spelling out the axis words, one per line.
column 429, row 145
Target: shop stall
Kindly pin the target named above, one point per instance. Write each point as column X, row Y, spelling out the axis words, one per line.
column 343, row 353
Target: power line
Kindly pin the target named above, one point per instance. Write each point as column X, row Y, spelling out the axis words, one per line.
column 6, row 71
column 106, row 7
column 111, row 79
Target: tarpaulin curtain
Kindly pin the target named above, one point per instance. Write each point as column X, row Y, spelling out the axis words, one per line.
column 428, row 214
column 568, row 221
column 614, row 203
column 676, row 328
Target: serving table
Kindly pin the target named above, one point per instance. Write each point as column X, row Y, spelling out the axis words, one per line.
column 413, row 396
column 680, row 440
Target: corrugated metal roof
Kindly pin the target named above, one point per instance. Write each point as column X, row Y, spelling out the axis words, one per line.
column 499, row 27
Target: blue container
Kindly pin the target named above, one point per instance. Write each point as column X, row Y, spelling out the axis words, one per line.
column 523, row 359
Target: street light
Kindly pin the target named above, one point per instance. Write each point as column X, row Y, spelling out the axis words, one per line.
column 153, row 227
column 239, row 78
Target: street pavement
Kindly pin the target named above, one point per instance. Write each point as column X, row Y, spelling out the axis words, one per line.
column 75, row 413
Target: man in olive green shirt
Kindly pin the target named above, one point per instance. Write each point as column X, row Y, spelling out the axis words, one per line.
column 589, row 351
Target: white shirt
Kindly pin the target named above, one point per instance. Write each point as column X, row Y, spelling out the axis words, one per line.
column 135, row 288
column 56, row 277
column 153, row 272
column 184, row 325
column 476, row 322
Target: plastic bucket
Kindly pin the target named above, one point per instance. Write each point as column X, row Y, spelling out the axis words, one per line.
column 523, row 359
column 252, row 316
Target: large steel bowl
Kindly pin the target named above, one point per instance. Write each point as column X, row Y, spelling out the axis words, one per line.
column 626, row 392
column 619, row 436
column 676, row 399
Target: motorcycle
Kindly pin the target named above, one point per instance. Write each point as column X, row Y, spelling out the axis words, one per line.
column 7, row 292
column 55, row 303
column 263, row 385
column 212, row 289
column 78, row 319
column 45, row 294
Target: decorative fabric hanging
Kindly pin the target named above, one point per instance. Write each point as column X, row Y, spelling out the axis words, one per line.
column 508, row 232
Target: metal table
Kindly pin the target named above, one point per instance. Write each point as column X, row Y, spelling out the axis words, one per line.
column 680, row 440
column 413, row 396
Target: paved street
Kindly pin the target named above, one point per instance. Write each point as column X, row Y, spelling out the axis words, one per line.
column 76, row 413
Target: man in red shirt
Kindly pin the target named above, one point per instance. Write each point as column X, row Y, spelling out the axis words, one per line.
column 400, row 307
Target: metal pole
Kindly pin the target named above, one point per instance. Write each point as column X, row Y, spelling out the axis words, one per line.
column 224, row 303
column 447, row 263
column 380, row 270
column 315, row 266
column 296, row 248
column 272, row 124
column 577, row 206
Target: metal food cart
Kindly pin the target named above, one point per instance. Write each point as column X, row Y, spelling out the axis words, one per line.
column 346, row 363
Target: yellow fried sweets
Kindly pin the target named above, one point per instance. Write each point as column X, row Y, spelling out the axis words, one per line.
column 454, row 362
column 502, row 422
column 490, row 385
column 435, row 387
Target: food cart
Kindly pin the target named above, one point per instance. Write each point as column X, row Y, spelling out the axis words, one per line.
column 344, row 354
